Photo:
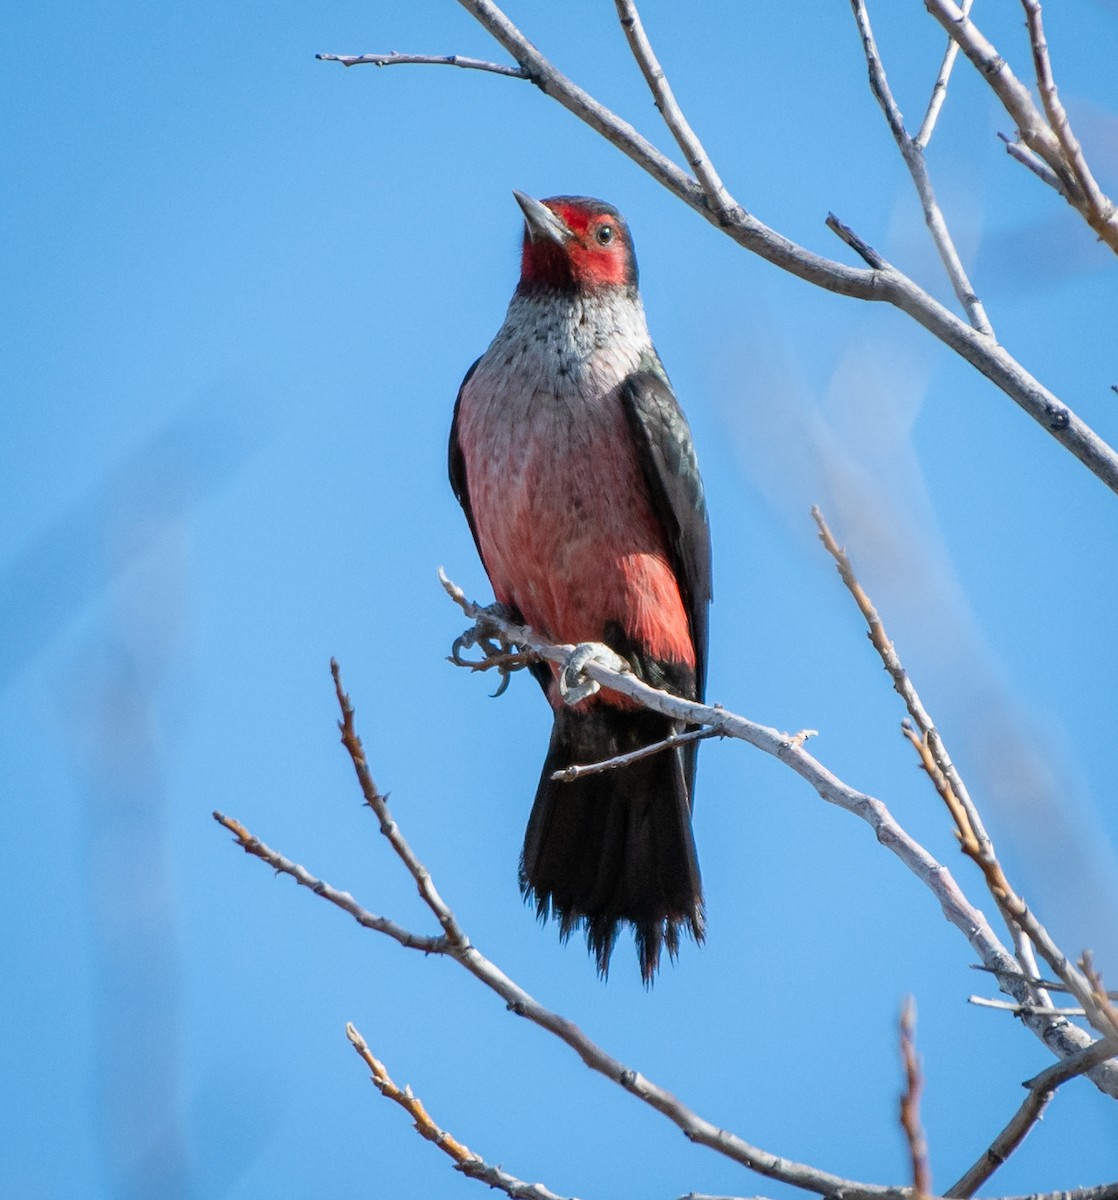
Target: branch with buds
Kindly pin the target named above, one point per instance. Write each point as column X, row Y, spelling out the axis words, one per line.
column 465, row 1160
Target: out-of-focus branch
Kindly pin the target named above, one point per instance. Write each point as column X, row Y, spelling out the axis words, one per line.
column 1041, row 1089
column 910, row 1104
column 1053, row 985
column 882, row 282
column 465, row 1160
column 913, row 154
column 456, row 939
column 1099, row 994
column 1047, row 134
column 1062, row 1038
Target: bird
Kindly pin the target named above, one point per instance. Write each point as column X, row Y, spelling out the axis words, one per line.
column 577, row 472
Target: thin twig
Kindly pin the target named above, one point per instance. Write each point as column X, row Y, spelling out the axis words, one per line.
column 939, row 89
column 424, row 60
column 465, row 1160
column 1061, row 1037
column 343, row 900
column 677, row 123
column 379, row 805
column 1037, row 165
column 913, row 154
column 903, row 685
column 910, row 1103
column 1041, row 1089
column 578, row 770
column 1027, row 1009
column 973, row 839
column 1052, row 985
column 860, row 247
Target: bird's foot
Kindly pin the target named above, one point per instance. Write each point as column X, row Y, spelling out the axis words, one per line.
column 574, row 685
column 497, row 653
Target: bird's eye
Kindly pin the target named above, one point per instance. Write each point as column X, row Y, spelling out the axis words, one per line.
column 604, row 234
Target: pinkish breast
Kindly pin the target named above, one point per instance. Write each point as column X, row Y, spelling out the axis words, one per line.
column 566, row 525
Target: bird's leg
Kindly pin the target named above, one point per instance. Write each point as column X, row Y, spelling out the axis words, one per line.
column 574, row 686
column 497, row 653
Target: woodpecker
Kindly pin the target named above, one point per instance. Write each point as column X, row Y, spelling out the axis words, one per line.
column 576, row 469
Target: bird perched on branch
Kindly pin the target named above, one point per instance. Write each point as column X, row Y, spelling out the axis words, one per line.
column 574, row 464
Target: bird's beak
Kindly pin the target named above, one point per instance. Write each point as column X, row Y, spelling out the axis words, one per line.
column 541, row 222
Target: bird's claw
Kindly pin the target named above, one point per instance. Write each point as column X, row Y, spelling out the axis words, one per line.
column 574, row 686
column 486, row 637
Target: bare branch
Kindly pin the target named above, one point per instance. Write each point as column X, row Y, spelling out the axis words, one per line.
column 1072, row 151
column 973, row 839
column 910, row 1103
column 578, row 770
column 901, row 681
column 696, row 1128
column 1025, row 1009
column 862, row 248
column 705, row 1196
column 1041, row 1089
column 686, row 139
column 939, row 89
column 458, row 946
column 886, row 284
column 1099, row 994
column 426, row 60
column 1057, row 149
column 1037, row 165
column 1023, row 952
column 378, row 804
column 465, row 1159
column 1061, row 1037
column 912, row 153
column 343, row 900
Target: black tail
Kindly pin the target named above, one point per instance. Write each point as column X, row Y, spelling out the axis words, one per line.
column 615, row 846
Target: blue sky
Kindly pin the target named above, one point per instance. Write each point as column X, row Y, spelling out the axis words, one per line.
column 241, row 289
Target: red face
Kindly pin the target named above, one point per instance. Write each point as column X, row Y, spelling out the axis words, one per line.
column 598, row 252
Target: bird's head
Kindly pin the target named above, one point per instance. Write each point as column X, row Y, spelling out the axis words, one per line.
column 574, row 243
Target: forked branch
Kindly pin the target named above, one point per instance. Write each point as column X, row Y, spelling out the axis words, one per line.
column 1063, row 1038
column 912, row 151
column 878, row 283
column 1048, row 134
column 973, row 839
